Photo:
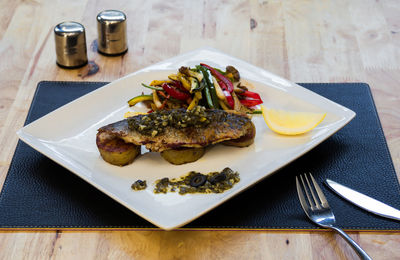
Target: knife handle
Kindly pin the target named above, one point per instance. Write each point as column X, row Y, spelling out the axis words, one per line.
column 360, row 252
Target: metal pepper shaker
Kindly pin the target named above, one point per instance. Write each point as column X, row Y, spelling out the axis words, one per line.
column 70, row 42
column 111, row 28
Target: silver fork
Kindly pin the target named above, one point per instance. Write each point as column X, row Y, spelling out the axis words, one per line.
column 319, row 211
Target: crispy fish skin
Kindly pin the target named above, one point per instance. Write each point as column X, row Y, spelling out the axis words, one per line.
column 226, row 126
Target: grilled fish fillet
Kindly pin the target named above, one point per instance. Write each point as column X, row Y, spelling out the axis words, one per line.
column 218, row 126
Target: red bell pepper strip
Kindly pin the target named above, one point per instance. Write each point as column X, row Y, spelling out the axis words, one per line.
column 229, row 98
column 175, row 93
column 250, row 94
column 227, row 94
column 227, row 83
column 179, row 86
column 250, row 102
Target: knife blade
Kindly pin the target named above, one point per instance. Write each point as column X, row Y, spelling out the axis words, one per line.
column 363, row 201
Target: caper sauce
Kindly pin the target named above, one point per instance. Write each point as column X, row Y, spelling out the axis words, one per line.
column 195, row 182
column 155, row 123
column 139, row 185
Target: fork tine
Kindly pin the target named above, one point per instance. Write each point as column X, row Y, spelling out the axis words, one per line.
column 317, row 204
column 303, row 201
column 312, row 205
column 321, row 195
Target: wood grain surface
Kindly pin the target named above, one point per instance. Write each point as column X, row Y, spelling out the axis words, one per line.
column 302, row 40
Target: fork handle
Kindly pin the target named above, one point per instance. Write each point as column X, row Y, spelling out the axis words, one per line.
column 360, row 252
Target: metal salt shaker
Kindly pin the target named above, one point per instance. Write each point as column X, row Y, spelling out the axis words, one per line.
column 111, row 28
column 70, row 42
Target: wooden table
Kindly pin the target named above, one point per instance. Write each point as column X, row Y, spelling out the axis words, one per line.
column 302, row 40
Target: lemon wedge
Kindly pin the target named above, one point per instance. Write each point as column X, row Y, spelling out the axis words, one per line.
column 291, row 122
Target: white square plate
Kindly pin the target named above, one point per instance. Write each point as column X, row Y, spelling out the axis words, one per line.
column 71, row 141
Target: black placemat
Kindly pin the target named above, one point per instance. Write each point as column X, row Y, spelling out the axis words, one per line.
column 38, row 193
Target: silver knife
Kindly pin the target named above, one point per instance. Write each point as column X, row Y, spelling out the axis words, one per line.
column 363, row 201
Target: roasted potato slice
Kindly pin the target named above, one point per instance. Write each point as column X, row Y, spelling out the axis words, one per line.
column 184, row 155
column 115, row 151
